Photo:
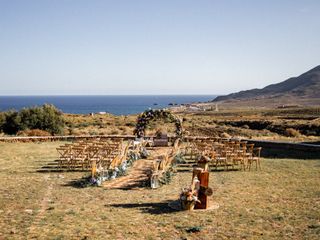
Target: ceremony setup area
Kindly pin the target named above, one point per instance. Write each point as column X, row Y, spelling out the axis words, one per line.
column 111, row 158
column 273, row 201
column 164, row 185
column 159, row 120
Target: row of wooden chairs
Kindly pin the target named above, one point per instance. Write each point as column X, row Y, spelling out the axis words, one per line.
column 80, row 155
column 162, row 164
column 164, row 161
column 226, row 153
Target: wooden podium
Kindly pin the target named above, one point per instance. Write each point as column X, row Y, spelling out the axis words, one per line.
column 202, row 174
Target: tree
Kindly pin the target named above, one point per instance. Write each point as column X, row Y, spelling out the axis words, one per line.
column 2, row 121
column 12, row 122
column 51, row 119
column 46, row 117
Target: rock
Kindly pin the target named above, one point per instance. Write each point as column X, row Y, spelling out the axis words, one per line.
column 30, row 211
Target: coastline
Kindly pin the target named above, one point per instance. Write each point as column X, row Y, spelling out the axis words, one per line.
column 114, row 104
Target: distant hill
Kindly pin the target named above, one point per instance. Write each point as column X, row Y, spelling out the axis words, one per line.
column 304, row 90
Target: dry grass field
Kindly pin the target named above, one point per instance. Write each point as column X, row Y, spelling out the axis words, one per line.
column 300, row 124
column 294, row 125
column 280, row 202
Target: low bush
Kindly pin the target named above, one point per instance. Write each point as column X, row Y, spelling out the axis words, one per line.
column 83, row 125
column 115, row 132
column 47, row 118
column 291, row 132
column 225, row 135
column 2, row 120
column 12, row 122
column 33, row 132
column 130, row 124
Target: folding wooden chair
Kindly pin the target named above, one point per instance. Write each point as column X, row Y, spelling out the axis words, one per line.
column 65, row 156
column 255, row 158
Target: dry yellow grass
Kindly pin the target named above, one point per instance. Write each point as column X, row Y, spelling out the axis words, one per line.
column 297, row 125
column 280, row 202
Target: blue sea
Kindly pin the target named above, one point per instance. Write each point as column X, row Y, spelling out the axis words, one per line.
column 117, row 105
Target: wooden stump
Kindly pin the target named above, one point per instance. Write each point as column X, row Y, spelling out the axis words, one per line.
column 187, row 205
column 204, row 184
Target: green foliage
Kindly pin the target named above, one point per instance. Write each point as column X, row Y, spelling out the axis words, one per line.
column 2, row 121
column 46, row 117
column 167, row 177
column 52, row 119
column 12, row 123
column 179, row 159
column 291, row 132
column 130, row 124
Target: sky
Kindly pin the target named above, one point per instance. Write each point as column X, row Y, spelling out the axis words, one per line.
column 81, row 47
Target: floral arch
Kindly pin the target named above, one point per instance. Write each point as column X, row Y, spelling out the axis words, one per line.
column 149, row 115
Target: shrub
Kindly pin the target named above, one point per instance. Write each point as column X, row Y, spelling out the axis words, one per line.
column 46, row 117
column 130, row 124
column 122, row 128
column 52, row 119
column 12, row 123
column 33, row 132
column 291, row 132
column 93, row 133
column 83, row 125
column 225, row 135
column 70, row 131
column 310, row 133
column 115, row 132
column 2, row 121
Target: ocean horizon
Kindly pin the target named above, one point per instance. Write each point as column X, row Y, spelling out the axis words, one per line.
column 114, row 104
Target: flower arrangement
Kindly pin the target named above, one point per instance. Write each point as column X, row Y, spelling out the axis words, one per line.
column 103, row 174
column 188, row 198
column 149, row 115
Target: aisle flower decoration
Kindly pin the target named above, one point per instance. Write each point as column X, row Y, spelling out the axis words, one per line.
column 188, row 198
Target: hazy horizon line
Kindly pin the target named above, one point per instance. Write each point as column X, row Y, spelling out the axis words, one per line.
column 84, row 95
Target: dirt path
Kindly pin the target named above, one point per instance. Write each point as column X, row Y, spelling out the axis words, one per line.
column 43, row 207
column 137, row 176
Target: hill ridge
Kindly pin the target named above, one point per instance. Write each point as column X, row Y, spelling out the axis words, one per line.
column 306, row 85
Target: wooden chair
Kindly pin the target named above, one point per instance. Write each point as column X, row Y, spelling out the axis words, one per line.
column 229, row 158
column 213, row 156
column 119, row 155
column 243, row 144
column 65, row 156
column 79, row 157
column 255, row 158
column 249, row 150
column 240, row 158
column 221, row 159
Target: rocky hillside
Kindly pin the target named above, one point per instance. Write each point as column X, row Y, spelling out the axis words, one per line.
column 304, row 89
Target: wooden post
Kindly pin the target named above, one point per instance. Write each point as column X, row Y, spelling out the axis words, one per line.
column 203, row 175
column 204, row 163
column 94, row 168
column 196, row 173
column 204, row 184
